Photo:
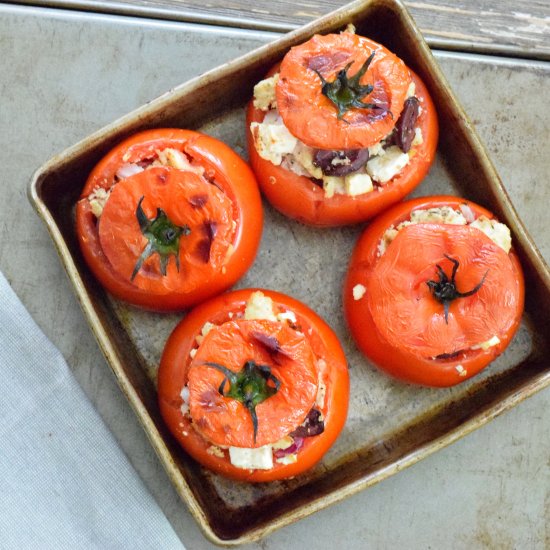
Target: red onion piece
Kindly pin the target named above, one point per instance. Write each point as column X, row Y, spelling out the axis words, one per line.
column 467, row 212
column 294, row 448
column 127, row 170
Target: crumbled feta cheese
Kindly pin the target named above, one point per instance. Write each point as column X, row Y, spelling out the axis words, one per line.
column 206, row 328
column 184, row 394
column 264, row 93
column 215, row 451
column 461, row 370
column 496, row 231
column 172, row 157
column 283, row 443
column 176, row 159
column 444, row 214
column 493, row 341
column 260, row 458
column 272, row 138
column 384, row 168
column 259, row 306
column 411, row 90
column 292, row 164
column 287, row 316
column 192, row 353
column 97, row 199
column 288, row 459
column 358, row 291
column 350, row 27
column 333, row 185
column 418, row 139
column 387, row 238
column 358, row 184
column 377, row 149
column 304, row 155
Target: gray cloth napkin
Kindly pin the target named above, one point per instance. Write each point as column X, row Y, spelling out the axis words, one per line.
column 64, row 482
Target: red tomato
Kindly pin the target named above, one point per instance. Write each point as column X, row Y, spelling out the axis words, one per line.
column 311, row 116
column 308, row 355
column 298, row 196
column 167, row 237
column 406, row 326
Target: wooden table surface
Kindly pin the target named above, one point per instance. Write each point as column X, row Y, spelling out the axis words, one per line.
column 517, row 28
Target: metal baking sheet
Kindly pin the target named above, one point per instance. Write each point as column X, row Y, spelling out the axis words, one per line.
column 375, row 397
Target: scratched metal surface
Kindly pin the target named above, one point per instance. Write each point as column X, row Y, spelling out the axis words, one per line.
column 507, row 27
column 490, row 489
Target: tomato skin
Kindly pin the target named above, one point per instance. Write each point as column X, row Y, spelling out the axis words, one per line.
column 233, row 345
column 174, row 366
column 230, row 172
column 395, row 360
column 299, row 198
column 312, row 117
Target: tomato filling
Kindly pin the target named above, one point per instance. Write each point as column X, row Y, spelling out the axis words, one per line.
column 349, row 172
column 253, row 390
column 498, row 232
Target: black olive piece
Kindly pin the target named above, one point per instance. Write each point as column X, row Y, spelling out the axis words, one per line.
column 404, row 129
column 340, row 163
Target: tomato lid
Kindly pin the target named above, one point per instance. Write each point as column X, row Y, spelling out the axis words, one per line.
column 303, row 100
column 197, row 214
column 283, row 382
column 406, row 310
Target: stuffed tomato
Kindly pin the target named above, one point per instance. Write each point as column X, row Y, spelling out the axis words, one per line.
column 254, row 385
column 168, row 218
column 340, row 130
column 434, row 290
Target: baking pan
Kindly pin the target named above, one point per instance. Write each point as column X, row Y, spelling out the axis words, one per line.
column 390, row 425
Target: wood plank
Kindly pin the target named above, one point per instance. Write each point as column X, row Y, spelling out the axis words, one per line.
column 519, row 28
